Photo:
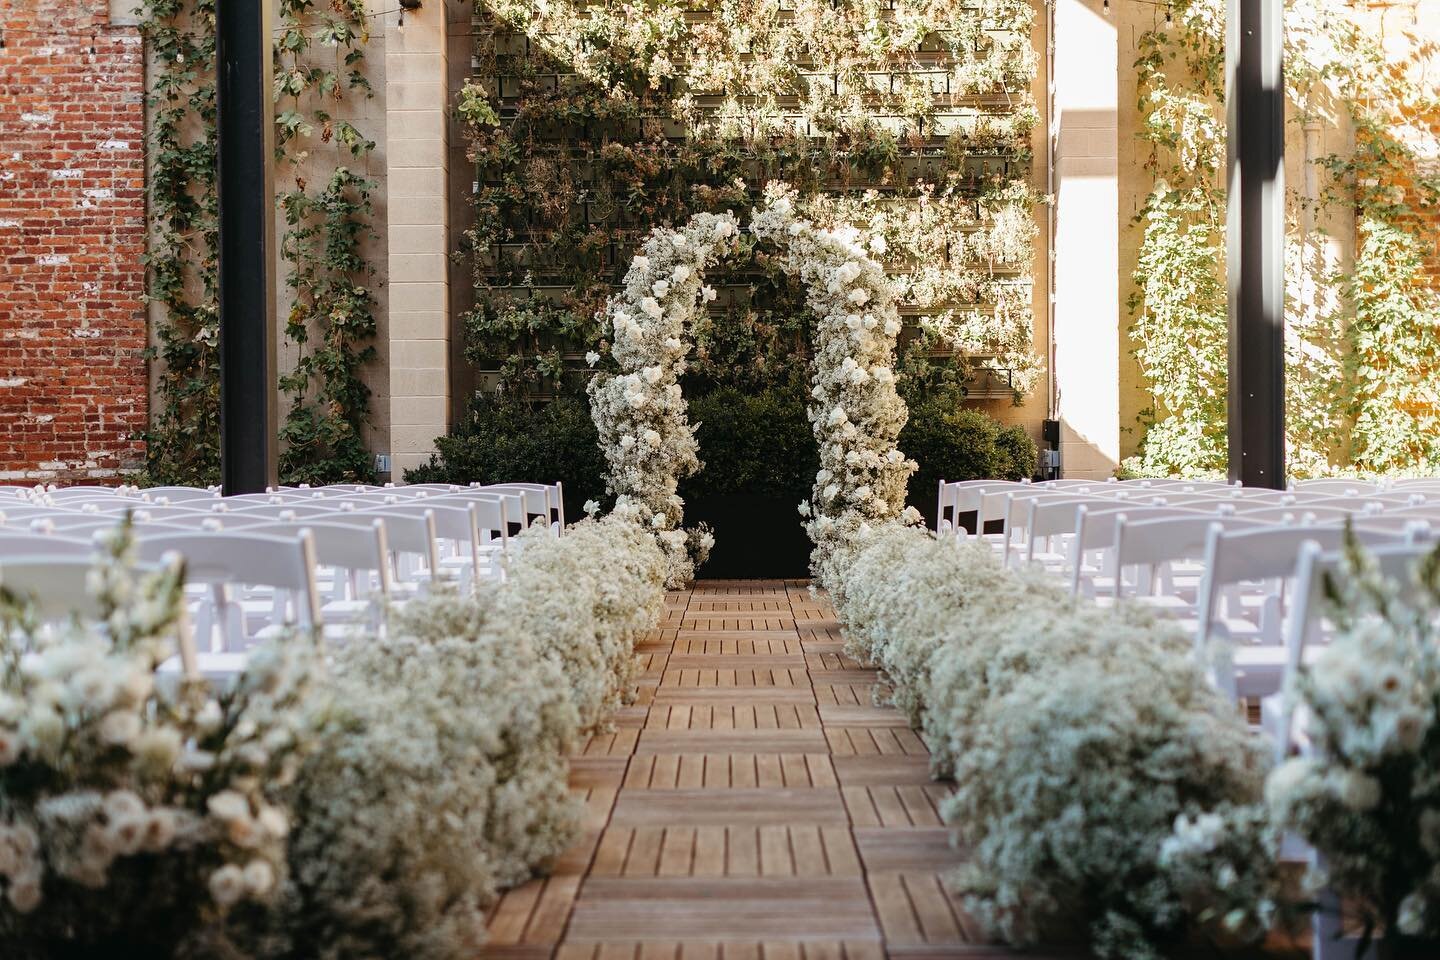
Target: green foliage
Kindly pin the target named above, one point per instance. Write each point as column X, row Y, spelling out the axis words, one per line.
column 1360, row 345
column 758, row 444
column 509, row 441
column 182, row 443
column 319, row 60
column 590, row 124
column 951, row 442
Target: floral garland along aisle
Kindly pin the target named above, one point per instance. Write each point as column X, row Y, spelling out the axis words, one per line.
column 855, row 410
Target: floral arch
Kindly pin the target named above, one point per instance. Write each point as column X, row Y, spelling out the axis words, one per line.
column 855, row 410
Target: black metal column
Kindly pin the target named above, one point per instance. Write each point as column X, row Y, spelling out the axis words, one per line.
column 245, row 140
column 1255, row 241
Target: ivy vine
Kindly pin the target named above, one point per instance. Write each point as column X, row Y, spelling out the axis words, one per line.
column 1361, row 348
column 182, row 442
column 319, row 62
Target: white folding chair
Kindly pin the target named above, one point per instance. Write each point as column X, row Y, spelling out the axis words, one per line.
column 414, row 552
column 1251, row 666
column 1154, row 547
column 1048, row 520
column 177, row 495
column 227, row 561
column 1301, row 514
column 15, row 543
column 360, row 588
column 1336, row 485
column 960, row 497
column 1095, row 533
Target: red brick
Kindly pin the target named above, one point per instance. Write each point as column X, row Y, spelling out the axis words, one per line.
column 63, row 397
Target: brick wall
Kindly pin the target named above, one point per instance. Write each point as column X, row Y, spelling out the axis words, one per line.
column 73, row 385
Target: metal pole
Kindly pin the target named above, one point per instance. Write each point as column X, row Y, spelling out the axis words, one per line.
column 1255, row 241
column 245, row 142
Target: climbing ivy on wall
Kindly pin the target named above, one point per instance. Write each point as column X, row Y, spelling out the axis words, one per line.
column 319, row 63
column 1359, row 341
column 182, row 444
column 591, row 123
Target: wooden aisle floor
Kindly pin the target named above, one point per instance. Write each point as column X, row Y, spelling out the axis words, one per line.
column 753, row 805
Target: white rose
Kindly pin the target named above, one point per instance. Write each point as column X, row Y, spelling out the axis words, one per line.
column 795, row 229
column 804, row 508
column 657, row 521
column 892, row 327
column 678, row 241
column 1357, row 790
column 870, row 322
column 848, row 271
column 637, row 400
column 859, row 295
column 592, row 358
column 882, row 374
column 837, row 415
column 259, row 878
column 853, row 321
column 119, row 727
column 651, row 374
column 641, row 263
column 24, row 895
column 862, row 492
column 651, row 308
column 591, row 508
column 680, row 274
column 228, row 806
column 159, row 829
column 652, row 438
column 724, row 228
column 707, row 294
column 227, row 885
column 660, row 288
column 830, row 491
column 626, row 442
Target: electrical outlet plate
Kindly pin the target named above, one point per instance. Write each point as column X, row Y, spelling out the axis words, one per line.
column 382, row 463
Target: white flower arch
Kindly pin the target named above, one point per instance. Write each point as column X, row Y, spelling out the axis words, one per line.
column 855, row 411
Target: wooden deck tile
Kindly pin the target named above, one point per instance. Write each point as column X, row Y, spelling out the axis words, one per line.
column 731, row 741
column 858, row 715
column 918, row 849
column 821, row 908
column 755, row 802
column 729, row 807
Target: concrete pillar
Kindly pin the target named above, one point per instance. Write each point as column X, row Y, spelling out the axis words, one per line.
column 417, row 174
column 1089, row 335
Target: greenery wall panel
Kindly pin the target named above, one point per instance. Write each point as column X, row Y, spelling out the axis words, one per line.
column 589, row 124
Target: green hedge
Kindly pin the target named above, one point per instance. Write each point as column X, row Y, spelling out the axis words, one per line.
column 757, row 443
column 951, row 442
column 505, row 441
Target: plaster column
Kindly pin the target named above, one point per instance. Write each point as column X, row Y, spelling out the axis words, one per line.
column 417, row 174
column 1089, row 335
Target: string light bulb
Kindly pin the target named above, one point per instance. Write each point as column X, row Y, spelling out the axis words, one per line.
column 401, row 25
column 1106, row 6
column 1169, row 14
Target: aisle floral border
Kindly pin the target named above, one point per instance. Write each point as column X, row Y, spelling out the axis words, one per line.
column 855, row 410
